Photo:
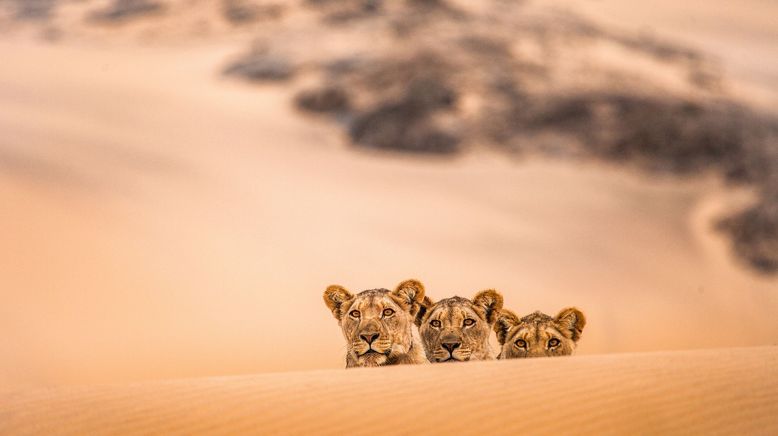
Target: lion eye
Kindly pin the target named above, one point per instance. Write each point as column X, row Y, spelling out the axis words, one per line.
column 354, row 314
column 553, row 342
column 435, row 323
column 521, row 343
column 388, row 312
column 469, row 321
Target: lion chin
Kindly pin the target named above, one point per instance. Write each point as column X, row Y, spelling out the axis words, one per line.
column 372, row 358
column 453, row 359
column 442, row 356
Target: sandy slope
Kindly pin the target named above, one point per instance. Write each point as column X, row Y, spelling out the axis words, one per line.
column 742, row 37
column 159, row 222
column 728, row 391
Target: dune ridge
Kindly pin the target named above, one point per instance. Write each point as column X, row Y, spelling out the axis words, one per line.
column 724, row 391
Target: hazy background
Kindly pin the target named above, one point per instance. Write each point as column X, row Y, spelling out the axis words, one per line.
column 180, row 180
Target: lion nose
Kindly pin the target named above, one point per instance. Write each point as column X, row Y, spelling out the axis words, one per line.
column 451, row 346
column 370, row 337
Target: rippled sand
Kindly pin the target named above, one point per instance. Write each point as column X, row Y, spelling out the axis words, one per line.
column 686, row 392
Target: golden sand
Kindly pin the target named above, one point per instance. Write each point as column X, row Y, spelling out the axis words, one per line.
column 728, row 391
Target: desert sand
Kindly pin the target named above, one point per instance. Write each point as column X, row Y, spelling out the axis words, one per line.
column 112, row 276
column 742, row 37
column 166, row 229
column 687, row 392
column 155, row 231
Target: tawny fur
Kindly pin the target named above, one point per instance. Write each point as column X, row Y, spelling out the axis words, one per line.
column 457, row 329
column 378, row 324
column 539, row 335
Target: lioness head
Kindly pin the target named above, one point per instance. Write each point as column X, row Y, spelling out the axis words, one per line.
column 378, row 323
column 539, row 335
column 457, row 329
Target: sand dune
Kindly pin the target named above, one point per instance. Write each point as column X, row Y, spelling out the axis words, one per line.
column 154, row 231
column 743, row 38
column 727, row 391
column 158, row 220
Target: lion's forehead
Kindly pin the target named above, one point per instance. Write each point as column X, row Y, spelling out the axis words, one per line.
column 537, row 332
column 373, row 300
column 453, row 309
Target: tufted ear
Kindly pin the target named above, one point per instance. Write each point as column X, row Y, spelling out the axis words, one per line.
column 424, row 307
column 571, row 322
column 506, row 320
column 335, row 297
column 409, row 294
column 490, row 301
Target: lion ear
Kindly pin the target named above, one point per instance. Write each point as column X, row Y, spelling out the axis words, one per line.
column 490, row 301
column 335, row 297
column 409, row 294
column 424, row 307
column 506, row 320
column 571, row 321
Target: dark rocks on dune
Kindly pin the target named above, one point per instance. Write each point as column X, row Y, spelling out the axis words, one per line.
column 124, row 10
column 754, row 233
column 430, row 4
column 418, row 14
column 491, row 48
column 327, row 99
column 342, row 11
column 260, row 66
column 240, row 12
column 401, row 128
column 405, row 125
column 661, row 49
column 406, row 97
column 408, row 124
column 408, row 101
column 658, row 133
column 341, row 67
column 427, row 94
column 679, row 137
column 34, row 9
column 365, row 5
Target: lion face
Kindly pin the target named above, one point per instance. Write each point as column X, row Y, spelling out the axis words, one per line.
column 376, row 323
column 457, row 329
column 539, row 335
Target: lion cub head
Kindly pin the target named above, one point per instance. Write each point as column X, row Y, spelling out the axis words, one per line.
column 457, row 329
column 539, row 335
column 378, row 323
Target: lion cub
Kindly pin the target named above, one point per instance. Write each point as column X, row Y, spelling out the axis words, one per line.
column 456, row 329
column 539, row 335
column 378, row 324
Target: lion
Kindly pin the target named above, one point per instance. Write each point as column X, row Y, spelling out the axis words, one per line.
column 457, row 329
column 378, row 324
column 537, row 334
